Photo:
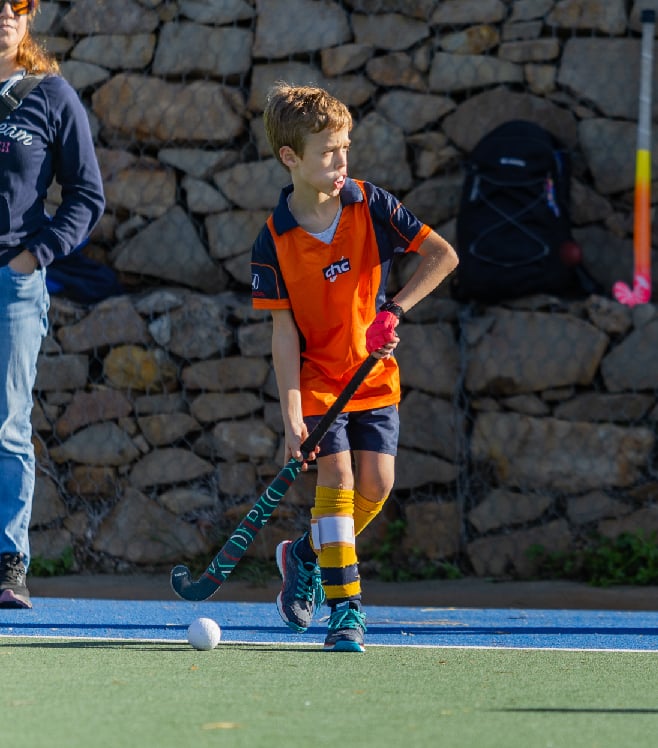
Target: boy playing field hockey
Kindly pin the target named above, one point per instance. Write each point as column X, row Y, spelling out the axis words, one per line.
column 321, row 265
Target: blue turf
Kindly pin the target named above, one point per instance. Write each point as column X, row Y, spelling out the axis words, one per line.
column 259, row 623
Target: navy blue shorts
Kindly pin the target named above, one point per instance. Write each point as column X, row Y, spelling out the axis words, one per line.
column 376, row 430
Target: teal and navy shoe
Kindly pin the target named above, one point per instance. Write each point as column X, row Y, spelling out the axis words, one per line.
column 347, row 625
column 301, row 592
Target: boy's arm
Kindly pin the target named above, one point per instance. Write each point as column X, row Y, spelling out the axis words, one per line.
column 287, row 364
column 438, row 260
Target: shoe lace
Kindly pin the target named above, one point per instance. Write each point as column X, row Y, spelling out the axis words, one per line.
column 348, row 618
column 309, row 583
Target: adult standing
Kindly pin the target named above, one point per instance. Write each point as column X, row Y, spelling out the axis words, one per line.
column 46, row 137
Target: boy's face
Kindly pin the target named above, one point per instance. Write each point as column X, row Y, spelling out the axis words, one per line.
column 323, row 167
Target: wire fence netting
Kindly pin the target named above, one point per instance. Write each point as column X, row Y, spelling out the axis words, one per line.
column 527, row 424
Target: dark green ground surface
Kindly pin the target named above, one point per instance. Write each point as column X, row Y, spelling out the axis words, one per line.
column 96, row 695
column 67, row 694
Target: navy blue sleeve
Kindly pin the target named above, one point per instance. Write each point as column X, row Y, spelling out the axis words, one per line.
column 76, row 169
column 396, row 226
column 266, row 280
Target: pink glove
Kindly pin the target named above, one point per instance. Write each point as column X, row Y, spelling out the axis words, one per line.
column 381, row 331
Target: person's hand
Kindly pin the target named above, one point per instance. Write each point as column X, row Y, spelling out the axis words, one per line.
column 386, row 351
column 381, row 332
column 293, row 442
column 25, row 263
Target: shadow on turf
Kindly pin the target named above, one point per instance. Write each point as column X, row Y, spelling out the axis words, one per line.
column 569, row 710
column 158, row 646
column 96, row 644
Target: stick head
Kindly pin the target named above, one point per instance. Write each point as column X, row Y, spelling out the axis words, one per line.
column 184, row 586
column 639, row 294
column 181, row 580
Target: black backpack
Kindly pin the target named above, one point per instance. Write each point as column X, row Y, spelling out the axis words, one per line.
column 513, row 225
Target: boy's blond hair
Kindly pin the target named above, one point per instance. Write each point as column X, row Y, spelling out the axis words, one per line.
column 294, row 112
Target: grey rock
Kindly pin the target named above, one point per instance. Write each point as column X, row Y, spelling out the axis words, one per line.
column 563, row 455
column 456, row 12
column 110, row 322
column 510, row 553
column 162, row 429
column 217, row 11
column 376, row 145
column 116, row 51
column 170, row 249
column 226, row 374
column 594, row 506
column 218, row 51
column 184, row 500
column 499, row 363
column 276, row 37
column 85, row 408
column 105, row 16
column 628, row 366
column 199, row 329
column 98, row 444
column 212, row 406
column 609, row 18
column 453, row 73
column 147, row 190
column 156, row 111
column 63, row 372
column 244, row 440
column 431, row 424
column 429, row 357
column 254, row 185
column 234, row 232
column 140, row 531
column 416, row 469
column 484, row 111
column 47, row 504
column 388, row 31
column 445, row 517
column 166, row 466
column 502, row 508
column 413, row 111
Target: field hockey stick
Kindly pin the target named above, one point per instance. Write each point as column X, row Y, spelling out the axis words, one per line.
column 244, row 534
column 641, row 291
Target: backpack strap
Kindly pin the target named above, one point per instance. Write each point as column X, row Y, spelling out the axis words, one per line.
column 11, row 96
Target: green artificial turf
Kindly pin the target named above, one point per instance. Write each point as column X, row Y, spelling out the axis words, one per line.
column 123, row 694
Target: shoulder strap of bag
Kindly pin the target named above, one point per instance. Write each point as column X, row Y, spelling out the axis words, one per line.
column 11, row 98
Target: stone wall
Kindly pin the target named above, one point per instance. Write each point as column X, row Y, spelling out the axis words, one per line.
column 156, row 420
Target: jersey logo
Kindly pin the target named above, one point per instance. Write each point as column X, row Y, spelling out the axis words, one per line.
column 331, row 272
column 15, row 133
column 255, row 281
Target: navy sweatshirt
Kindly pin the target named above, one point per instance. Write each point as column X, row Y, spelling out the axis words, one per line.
column 47, row 137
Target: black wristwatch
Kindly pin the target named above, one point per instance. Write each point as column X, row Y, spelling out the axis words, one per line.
column 391, row 306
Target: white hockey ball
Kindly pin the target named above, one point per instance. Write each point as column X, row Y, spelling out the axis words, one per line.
column 204, row 633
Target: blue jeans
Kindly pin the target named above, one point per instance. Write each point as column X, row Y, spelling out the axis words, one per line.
column 24, row 303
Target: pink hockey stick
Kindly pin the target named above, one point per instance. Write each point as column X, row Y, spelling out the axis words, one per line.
column 641, row 291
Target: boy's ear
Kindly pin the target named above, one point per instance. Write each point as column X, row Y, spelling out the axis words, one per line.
column 288, row 156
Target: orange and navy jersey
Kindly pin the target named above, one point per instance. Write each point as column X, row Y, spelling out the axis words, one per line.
column 334, row 290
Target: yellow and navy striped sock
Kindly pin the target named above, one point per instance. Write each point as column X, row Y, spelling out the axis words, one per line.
column 332, row 536
column 365, row 511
